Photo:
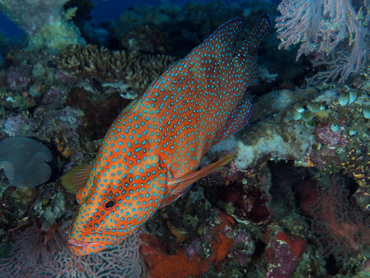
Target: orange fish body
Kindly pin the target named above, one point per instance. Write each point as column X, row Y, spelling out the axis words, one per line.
column 151, row 153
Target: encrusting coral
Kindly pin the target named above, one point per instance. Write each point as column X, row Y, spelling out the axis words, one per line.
column 23, row 160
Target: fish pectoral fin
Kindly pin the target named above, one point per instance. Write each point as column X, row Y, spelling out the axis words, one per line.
column 172, row 198
column 76, row 178
column 193, row 177
column 187, row 181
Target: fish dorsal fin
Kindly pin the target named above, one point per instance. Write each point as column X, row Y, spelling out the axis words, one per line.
column 223, row 39
column 236, row 120
column 184, row 183
column 76, row 178
column 247, row 52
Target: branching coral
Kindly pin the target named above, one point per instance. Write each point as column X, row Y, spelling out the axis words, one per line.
column 133, row 69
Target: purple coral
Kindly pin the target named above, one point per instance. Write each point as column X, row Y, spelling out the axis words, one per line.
column 20, row 125
column 19, row 77
column 283, row 254
column 335, row 28
column 193, row 248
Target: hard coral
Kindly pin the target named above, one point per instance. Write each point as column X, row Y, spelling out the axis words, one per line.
column 135, row 71
column 20, row 125
column 43, row 21
column 19, row 77
column 246, row 197
column 340, row 130
column 23, row 161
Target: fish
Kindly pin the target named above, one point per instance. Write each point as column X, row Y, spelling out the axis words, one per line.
column 150, row 155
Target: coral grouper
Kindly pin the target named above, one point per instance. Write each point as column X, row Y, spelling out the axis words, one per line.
column 151, row 153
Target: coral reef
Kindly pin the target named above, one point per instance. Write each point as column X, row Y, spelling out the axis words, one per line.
column 338, row 220
column 43, row 253
column 293, row 203
column 144, row 38
column 130, row 72
column 44, row 22
column 283, row 253
column 161, row 264
column 336, row 32
column 24, row 161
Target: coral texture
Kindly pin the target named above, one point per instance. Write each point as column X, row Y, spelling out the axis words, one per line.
column 23, row 161
column 131, row 72
column 335, row 28
column 43, row 21
column 38, row 253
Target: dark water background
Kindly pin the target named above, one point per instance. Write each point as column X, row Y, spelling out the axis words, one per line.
column 104, row 10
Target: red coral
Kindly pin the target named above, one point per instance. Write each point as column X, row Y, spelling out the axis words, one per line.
column 283, row 253
column 179, row 264
column 338, row 221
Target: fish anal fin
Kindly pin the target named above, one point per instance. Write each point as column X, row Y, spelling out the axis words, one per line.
column 183, row 184
column 236, row 120
column 76, row 178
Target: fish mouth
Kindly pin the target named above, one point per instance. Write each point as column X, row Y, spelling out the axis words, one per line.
column 76, row 243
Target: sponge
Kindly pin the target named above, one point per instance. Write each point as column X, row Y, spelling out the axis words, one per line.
column 23, row 160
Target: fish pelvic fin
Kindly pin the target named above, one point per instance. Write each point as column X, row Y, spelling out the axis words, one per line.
column 76, row 178
column 246, row 55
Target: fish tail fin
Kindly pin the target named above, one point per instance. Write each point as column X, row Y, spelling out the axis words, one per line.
column 246, row 55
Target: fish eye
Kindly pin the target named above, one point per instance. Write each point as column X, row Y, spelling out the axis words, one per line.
column 108, row 202
column 109, row 205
